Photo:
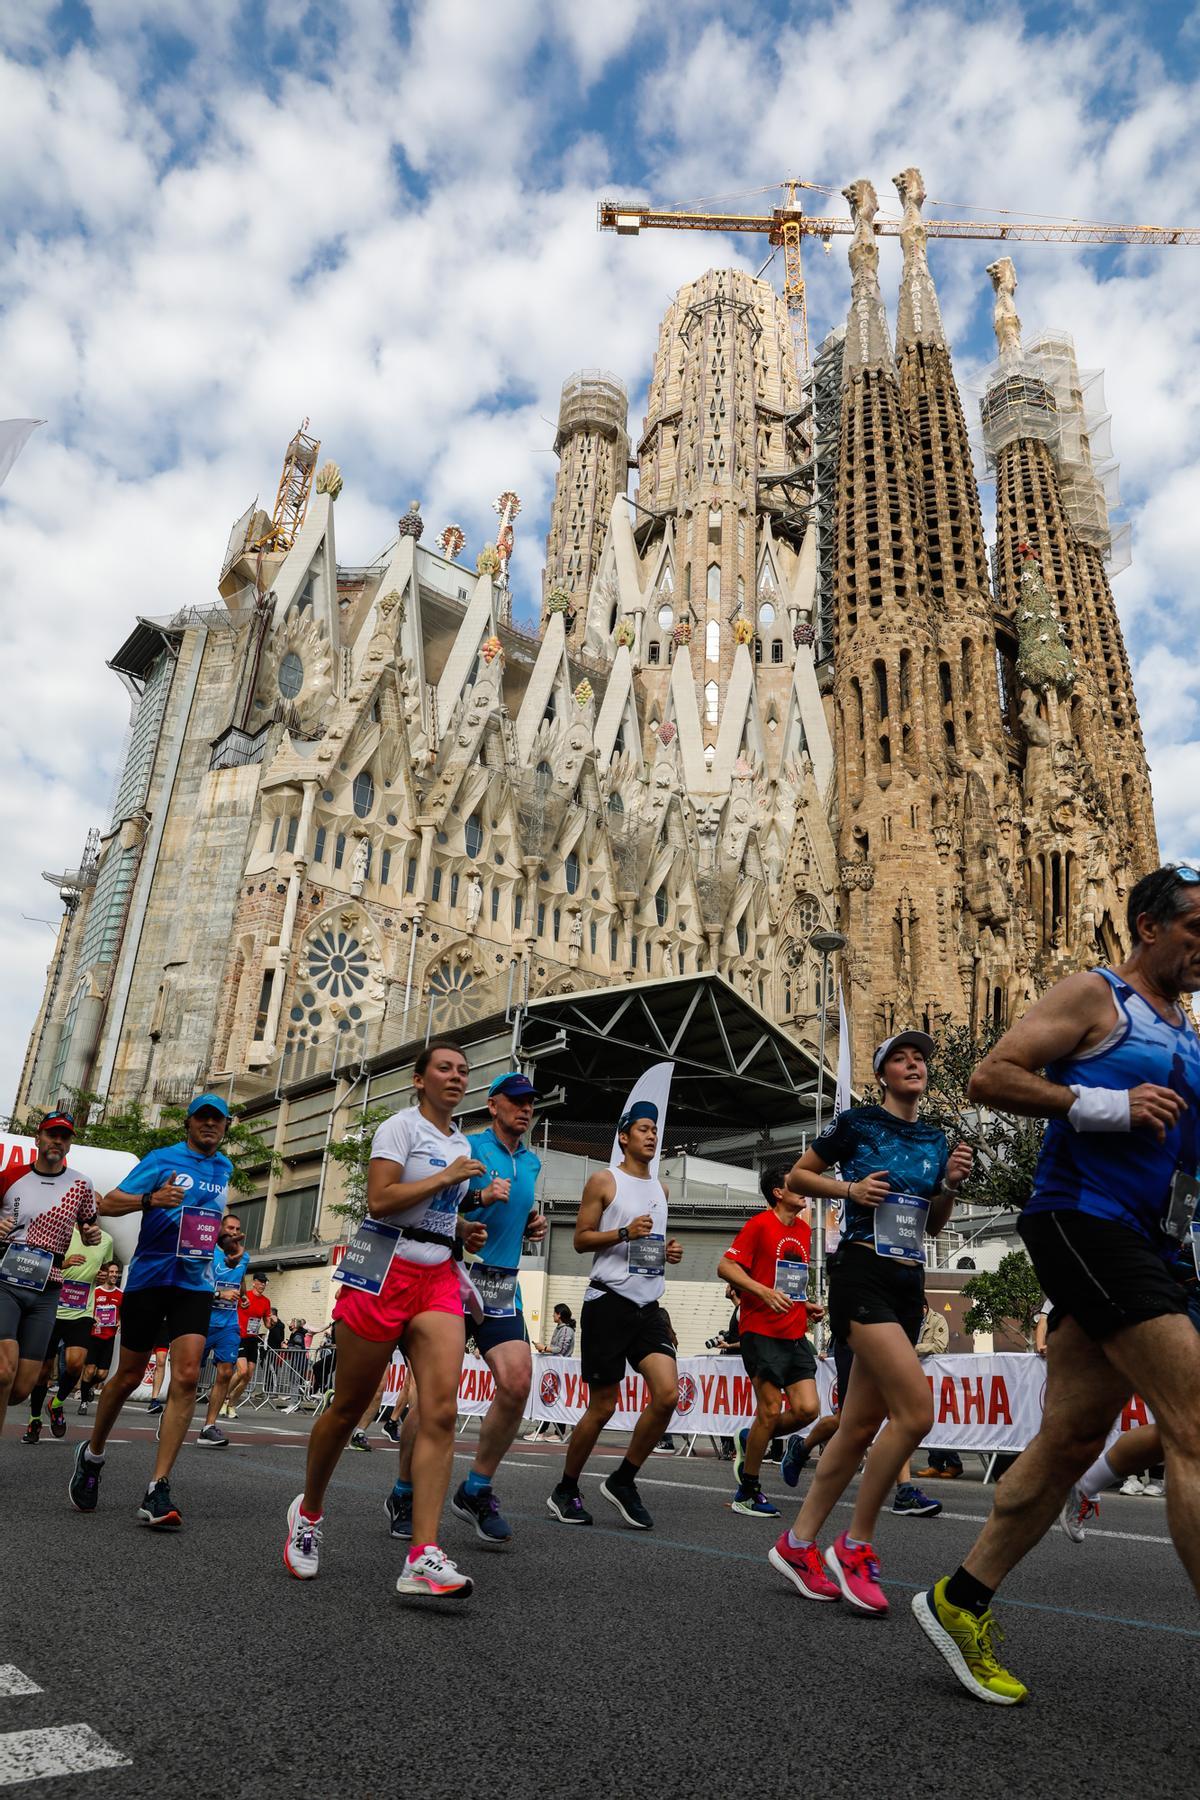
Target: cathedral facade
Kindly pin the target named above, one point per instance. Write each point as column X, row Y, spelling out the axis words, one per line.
column 779, row 687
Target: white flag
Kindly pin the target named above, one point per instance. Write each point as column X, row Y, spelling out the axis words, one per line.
column 14, row 435
column 841, row 1093
column 655, row 1086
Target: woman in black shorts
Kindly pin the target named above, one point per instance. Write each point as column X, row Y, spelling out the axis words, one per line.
column 897, row 1180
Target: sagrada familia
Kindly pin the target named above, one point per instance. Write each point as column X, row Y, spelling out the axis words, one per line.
column 781, row 687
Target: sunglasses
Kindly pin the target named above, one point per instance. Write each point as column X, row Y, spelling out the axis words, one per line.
column 1187, row 875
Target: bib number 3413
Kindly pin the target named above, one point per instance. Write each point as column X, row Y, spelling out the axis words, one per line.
column 900, row 1228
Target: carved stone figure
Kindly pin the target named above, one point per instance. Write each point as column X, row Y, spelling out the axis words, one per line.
column 474, row 900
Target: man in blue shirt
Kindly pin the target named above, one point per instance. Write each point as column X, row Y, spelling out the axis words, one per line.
column 231, row 1269
column 503, row 1199
column 180, row 1191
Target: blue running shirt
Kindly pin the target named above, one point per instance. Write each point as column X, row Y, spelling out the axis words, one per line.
column 506, row 1220
column 205, row 1180
column 1124, row 1176
column 228, row 1274
column 865, row 1138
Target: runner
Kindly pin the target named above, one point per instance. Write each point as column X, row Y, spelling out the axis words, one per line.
column 898, row 1180
column 1113, row 1199
column 768, row 1265
column 231, row 1265
column 72, row 1333
column 503, row 1200
column 106, row 1312
column 253, row 1317
column 180, row 1191
column 40, row 1207
column 622, row 1221
column 407, row 1291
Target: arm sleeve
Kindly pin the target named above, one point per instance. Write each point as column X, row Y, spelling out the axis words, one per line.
column 394, row 1139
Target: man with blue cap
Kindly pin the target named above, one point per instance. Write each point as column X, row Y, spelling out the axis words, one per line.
column 180, row 1190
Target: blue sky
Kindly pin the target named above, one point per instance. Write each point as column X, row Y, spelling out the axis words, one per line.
column 223, row 219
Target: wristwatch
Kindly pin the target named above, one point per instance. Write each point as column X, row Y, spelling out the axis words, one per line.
column 623, row 1233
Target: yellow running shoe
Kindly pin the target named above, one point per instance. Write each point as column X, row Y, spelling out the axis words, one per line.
column 966, row 1644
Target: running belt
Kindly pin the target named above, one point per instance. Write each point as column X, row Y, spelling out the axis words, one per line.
column 638, row 1305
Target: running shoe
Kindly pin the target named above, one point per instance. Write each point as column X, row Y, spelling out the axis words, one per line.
column 302, row 1551
column 391, row 1429
column 910, row 1501
column 159, row 1510
column 212, row 1437
column 1132, row 1484
column 804, row 1569
column 1077, row 1511
column 359, row 1440
column 32, row 1432
column 855, row 1568
column 155, row 1406
column 483, row 1512
column 58, row 1418
column 83, row 1409
column 432, row 1576
column 794, row 1459
column 966, row 1644
column 568, row 1509
column 741, row 1439
column 1154, row 1490
column 84, row 1485
column 754, row 1504
column 398, row 1508
column 628, row 1502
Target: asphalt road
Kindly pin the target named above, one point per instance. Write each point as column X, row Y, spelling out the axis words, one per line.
column 601, row 1662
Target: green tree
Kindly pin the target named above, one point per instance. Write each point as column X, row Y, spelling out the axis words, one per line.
column 1005, row 1297
column 1006, row 1147
column 353, row 1154
column 128, row 1128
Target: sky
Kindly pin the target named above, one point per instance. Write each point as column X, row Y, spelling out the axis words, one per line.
column 220, row 220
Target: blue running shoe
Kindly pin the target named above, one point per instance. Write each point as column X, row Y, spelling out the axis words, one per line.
column 794, row 1459
column 913, row 1503
column 398, row 1508
column 739, row 1453
column 754, row 1503
column 482, row 1510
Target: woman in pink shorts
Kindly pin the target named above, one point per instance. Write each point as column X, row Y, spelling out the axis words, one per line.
column 419, row 1170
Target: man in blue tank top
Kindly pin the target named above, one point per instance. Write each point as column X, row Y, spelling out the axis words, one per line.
column 1113, row 1199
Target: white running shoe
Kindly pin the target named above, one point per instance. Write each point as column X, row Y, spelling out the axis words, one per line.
column 432, row 1576
column 1132, row 1484
column 302, row 1552
column 1154, row 1489
column 1076, row 1513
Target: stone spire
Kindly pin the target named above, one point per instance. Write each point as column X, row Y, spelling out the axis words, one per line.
column 868, row 344
column 919, row 320
column 1006, row 321
column 592, row 446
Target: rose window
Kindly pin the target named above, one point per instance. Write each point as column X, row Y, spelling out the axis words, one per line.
column 455, row 993
column 337, row 963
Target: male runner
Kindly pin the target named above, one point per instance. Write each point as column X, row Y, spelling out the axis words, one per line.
column 1113, row 1199
column 40, row 1206
column 622, row 1222
column 72, row 1332
column 231, row 1265
column 106, row 1313
column 767, row 1263
column 253, row 1316
column 180, row 1191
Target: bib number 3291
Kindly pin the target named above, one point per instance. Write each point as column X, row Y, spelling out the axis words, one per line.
column 900, row 1228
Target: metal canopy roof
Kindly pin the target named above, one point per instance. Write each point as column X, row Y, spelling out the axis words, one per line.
column 144, row 645
column 734, row 1069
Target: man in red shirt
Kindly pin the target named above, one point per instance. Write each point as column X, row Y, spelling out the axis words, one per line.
column 106, row 1313
column 767, row 1263
column 254, row 1315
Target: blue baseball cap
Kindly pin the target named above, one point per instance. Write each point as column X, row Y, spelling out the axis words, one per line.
column 514, row 1086
column 641, row 1109
column 212, row 1100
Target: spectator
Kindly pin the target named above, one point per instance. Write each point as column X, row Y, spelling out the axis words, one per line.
column 933, row 1339
column 275, row 1331
column 562, row 1338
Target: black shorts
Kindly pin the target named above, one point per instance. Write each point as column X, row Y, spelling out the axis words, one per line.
column 100, row 1352
column 248, row 1350
column 865, row 1289
column 148, row 1315
column 72, row 1334
column 489, row 1333
column 843, row 1362
column 781, row 1361
column 1099, row 1273
column 614, row 1332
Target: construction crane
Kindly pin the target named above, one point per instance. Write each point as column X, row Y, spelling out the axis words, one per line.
column 789, row 224
column 291, row 500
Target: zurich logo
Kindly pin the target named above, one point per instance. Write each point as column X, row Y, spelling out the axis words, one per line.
column 549, row 1388
column 687, row 1395
column 186, row 1182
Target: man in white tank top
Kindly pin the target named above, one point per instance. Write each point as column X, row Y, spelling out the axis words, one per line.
column 622, row 1222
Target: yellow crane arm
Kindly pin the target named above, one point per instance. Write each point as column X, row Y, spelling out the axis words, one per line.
column 630, row 217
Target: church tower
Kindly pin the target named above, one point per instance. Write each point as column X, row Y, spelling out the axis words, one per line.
column 592, row 446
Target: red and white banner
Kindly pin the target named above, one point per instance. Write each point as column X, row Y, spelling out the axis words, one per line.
column 979, row 1402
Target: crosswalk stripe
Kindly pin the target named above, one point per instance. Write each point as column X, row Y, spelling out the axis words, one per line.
column 13, row 1682
column 55, row 1750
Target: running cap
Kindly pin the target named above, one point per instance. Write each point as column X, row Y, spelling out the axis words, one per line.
column 214, row 1101
column 641, row 1109
column 514, row 1086
column 57, row 1121
column 918, row 1040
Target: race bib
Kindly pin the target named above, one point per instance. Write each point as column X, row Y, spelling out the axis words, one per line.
column 26, row 1267
column 1196, row 1248
column 74, row 1293
column 106, row 1318
column 497, row 1290
column 198, row 1233
column 791, row 1278
column 647, row 1255
column 368, row 1257
column 1181, row 1206
column 900, row 1228
column 220, row 1305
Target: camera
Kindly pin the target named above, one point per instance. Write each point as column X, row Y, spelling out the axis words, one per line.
column 716, row 1343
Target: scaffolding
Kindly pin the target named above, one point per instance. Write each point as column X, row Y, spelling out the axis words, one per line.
column 592, row 400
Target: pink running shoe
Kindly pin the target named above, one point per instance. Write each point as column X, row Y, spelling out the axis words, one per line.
column 856, row 1572
column 803, row 1569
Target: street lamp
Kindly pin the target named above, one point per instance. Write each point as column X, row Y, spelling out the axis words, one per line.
column 827, row 944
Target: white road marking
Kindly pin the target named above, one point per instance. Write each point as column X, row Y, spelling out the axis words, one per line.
column 56, row 1750
column 13, row 1682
